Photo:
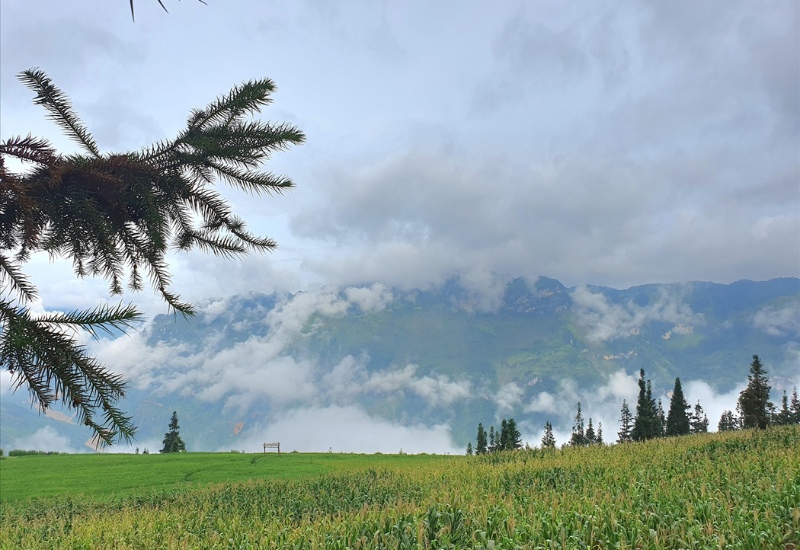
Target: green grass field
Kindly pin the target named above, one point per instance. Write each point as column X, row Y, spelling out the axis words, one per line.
column 732, row 490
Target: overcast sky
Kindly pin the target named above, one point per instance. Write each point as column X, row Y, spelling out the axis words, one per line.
column 608, row 143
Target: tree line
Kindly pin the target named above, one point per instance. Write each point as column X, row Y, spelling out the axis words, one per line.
column 753, row 410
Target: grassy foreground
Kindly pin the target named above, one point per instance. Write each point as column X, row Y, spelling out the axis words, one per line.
column 733, row 490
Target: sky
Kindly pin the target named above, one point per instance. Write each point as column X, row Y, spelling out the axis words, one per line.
column 611, row 144
column 615, row 144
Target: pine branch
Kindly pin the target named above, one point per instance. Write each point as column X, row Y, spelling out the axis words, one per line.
column 13, row 276
column 57, row 104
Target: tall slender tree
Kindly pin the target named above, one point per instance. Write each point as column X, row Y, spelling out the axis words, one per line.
column 677, row 419
column 514, row 437
column 646, row 425
column 480, row 448
column 625, row 424
column 548, row 439
column 578, row 437
column 116, row 216
column 172, row 439
column 599, row 437
column 503, row 443
column 795, row 406
column 754, row 399
column 590, row 436
column 492, row 440
column 469, row 448
column 698, row 421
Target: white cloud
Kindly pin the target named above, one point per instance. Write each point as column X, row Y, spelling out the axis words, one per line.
column 45, row 439
column 779, row 320
column 607, row 321
column 349, row 429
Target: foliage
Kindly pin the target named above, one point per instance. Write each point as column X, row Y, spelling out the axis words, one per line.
column 625, row 424
column 548, row 439
column 481, row 446
column 698, row 421
column 22, row 452
column 728, row 422
column 734, row 490
column 677, row 418
column 646, row 425
column 116, row 216
column 578, row 437
column 754, row 399
column 172, row 439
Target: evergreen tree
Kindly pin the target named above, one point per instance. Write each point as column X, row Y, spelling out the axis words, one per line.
column 599, row 438
column 548, row 439
column 172, row 439
column 783, row 417
column 661, row 421
column 625, row 424
column 728, row 422
column 503, row 443
column 677, row 419
column 698, row 422
column 492, row 440
column 117, row 216
column 646, row 425
column 795, row 406
column 514, row 437
column 754, row 399
column 578, row 437
column 481, row 442
column 589, row 438
column 469, row 448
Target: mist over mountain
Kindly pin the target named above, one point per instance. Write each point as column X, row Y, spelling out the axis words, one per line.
column 371, row 368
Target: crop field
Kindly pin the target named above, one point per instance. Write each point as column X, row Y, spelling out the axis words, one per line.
column 731, row 490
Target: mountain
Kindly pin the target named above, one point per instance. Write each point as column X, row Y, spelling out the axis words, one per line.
column 372, row 368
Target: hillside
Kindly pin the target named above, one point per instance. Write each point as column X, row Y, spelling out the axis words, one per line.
column 371, row 368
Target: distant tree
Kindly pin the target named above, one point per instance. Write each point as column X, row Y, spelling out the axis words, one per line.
column 513, row 437
column 503, row 443
column 481, row 441
column 677, row 419
column 754, row 399
column 469, row 448
column 795, row 406
column 728, row 422
column 492, row 440
column 599, row 437
column 172, row 439
column 646, row 425
column 578, row 437
column 590, row 436
column 625, row 424
column 698, row 421
column 548, row 439
column 661, row 420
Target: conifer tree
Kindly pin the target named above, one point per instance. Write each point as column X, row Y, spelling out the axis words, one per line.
column 589, row 437
column 502, row 445
column 754, row 399
column 698, row 422
column 625, row 424
column 469, row 448
column 514, row 437
column 548, row 439
column 727, row 422
column 116, row 216
column 578, row 437
column 481, row 441
column 795, row 406
column 677, row 419
column 172, row 439
column 492, row 440
column 646, row 425
column 599, row 438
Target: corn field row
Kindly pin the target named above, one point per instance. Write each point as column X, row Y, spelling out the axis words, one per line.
column 732, row 490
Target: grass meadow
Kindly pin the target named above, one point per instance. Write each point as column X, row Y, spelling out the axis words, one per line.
column 730, row 490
